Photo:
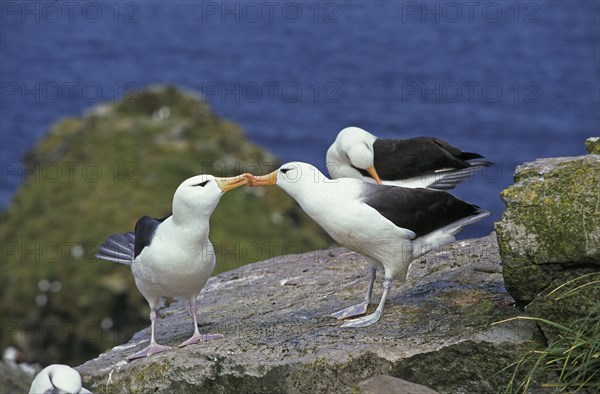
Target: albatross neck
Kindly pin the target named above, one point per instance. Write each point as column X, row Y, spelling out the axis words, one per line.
column 186, row 215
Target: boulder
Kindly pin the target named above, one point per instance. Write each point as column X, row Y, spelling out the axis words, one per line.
column 437, row 329
column 592, row 145
column 16, row 378
column 549, row 236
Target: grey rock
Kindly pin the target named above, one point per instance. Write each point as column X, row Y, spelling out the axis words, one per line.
column 436, row 329
column 14, row 378
column 550, row 235
column 385, row 384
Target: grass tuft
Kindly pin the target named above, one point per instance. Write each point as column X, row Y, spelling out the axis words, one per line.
column 571, row 363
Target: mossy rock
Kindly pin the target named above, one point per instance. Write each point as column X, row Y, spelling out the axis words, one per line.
column 592, row 145
column 550, row 234
column 95, row 175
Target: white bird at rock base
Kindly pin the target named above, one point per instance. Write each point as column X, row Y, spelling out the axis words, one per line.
column 57, row 379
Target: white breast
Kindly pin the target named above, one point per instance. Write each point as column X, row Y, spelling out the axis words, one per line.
column 177, row 263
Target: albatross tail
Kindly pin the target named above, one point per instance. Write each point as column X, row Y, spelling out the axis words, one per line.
column 118, row 248
column 444, row 235
column 448, row 179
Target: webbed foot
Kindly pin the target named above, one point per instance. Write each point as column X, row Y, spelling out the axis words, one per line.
column 197, row 338
column 354, row 310
column 363, row 321
column 149, row 351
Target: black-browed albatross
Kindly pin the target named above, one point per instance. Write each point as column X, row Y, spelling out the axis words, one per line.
column 390, row 226
column 173, row 257
column 414, row 162
column 57, row 378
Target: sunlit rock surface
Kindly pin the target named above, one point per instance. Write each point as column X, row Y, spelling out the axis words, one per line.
column 436, row 329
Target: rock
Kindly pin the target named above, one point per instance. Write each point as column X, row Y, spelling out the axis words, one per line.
column 391, row 385
column 436, row 329
column 592, row 145
column 550, row 234
column 14, row 378
column 96, row 175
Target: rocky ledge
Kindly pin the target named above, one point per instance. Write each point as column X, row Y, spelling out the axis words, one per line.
column 437, row 329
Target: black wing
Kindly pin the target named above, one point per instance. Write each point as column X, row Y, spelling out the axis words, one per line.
column 144, row 232
column 419, row 210
column 397, row 159
column 117, row 248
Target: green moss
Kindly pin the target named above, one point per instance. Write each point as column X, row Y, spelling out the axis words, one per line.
column 150, row 372
column 524, row 282
column 561, row 211
column 550, row 234
column 93, row 176
column 592, row 145
column 552, row 217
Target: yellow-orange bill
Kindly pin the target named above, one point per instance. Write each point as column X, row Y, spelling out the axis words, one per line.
column 371, row 170
column 265, row 180
column 226, row 184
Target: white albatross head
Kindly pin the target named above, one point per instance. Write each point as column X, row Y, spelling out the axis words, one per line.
column 294, row 177
column 201, row 193
column 352, row 150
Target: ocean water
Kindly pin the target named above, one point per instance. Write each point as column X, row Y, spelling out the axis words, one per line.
column 512, row 80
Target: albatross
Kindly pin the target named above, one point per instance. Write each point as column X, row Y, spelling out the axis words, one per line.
column 57, row 378
column 415, row 162
column 173, row 257
column 389, row 225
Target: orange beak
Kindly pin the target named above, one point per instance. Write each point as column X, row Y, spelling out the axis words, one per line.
column 371, row 170
column 226, row 184
column 264, row 180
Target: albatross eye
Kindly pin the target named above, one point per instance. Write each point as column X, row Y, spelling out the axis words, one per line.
column 202, row 184
column 285, row 170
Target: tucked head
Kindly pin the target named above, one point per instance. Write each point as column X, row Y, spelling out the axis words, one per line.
column 353, row 147
column 57, row 378
column 66, row 379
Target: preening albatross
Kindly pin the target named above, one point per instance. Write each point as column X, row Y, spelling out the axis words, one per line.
column 415, row 162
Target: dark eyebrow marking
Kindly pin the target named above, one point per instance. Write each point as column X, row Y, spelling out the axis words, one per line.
column 202, row 184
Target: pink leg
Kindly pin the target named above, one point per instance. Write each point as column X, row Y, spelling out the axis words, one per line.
column 153, row 347
column 197, row 337
column 375, row 316
column 359, row 309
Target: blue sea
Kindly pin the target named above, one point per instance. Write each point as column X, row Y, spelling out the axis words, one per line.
column 512, row 80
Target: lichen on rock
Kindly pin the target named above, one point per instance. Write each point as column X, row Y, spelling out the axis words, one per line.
column 550, row 234
column 592, row 145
